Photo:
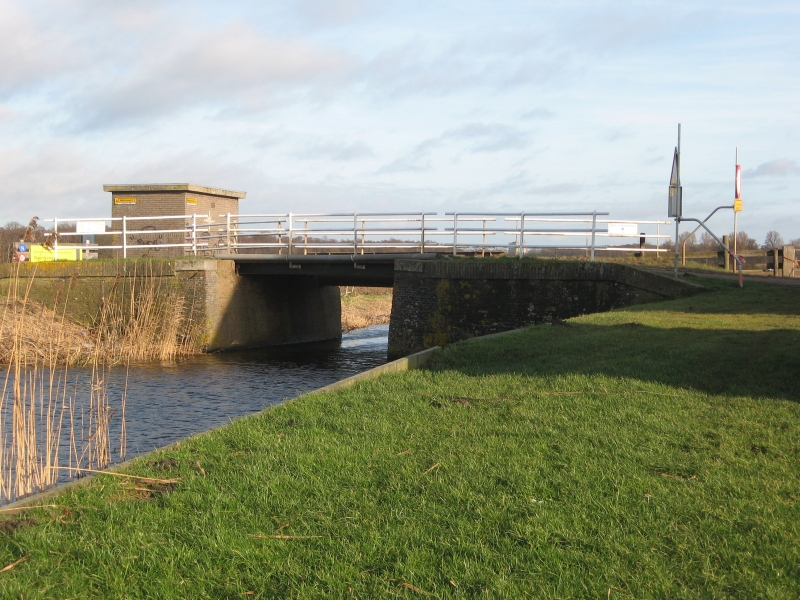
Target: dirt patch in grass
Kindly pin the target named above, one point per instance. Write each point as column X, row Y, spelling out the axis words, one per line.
column 10, row 526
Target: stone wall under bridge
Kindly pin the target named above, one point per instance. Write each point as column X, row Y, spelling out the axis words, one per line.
column 440, row 302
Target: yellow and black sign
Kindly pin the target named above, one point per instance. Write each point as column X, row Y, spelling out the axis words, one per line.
column 737, row 205
column 191, row 201
column 120, row 200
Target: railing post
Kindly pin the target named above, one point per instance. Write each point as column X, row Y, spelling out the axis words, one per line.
column 228, row 231
column 658, row 240
column 290, row 234
column 55, row 239
column 521, row 235
column 355, row 234
column 194, row 234
column 124, row 236
column 422, row 244
column 594, row 227
column 455, row 232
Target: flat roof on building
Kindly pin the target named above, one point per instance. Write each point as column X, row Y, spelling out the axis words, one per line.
column 172, row 187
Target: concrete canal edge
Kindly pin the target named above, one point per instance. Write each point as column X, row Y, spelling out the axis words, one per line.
column 407, row 363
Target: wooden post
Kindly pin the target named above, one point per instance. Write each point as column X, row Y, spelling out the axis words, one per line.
column 726, row 258
column 789, row 264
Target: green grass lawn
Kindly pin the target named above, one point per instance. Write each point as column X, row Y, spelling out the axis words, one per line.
column 652, row 452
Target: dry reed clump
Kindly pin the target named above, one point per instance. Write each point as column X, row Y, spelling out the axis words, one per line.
column 36, row 332
column 364, row 310
column 53, row 421
column 140, row 320
column 38, row 400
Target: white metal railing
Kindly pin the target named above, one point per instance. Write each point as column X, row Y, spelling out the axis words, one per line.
column 514, row 234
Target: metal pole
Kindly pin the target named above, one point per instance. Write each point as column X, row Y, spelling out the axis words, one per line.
column 228, row 232
column 124, row 237
column 658, row 240
column 290, row 234
column 736, row 216
column 355, row 234
column 194, row 234
column 422, row 245
column 455, row 232
column 678, row 219
column 521, row 234
column 55, row 239
column 594, row 226
column 677, row 224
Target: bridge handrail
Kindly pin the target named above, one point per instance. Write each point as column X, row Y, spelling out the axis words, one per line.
column 357, row 232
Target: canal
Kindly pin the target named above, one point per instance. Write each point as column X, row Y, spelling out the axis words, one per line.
column 166, row 402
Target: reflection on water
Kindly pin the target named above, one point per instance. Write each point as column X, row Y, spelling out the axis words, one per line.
column 172, row 401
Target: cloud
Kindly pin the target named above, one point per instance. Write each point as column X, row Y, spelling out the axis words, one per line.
column 616, row 133
column 231, row 66
column 337, row 151
column 332, row 12
column 473, row 137
column 29, row 53
column 780, row 167
column 538, row 113
column 555, row 189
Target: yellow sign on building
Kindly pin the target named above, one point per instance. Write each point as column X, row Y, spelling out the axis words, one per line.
column 191, row 201
column 119, row 200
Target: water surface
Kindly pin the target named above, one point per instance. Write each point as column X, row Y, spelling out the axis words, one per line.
column 167, row 402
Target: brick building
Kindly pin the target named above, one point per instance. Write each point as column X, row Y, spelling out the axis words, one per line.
column 191, row 204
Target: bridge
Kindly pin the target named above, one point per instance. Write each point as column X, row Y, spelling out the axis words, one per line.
column 269, row 279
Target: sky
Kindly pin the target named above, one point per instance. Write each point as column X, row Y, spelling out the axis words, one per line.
column 362, row 105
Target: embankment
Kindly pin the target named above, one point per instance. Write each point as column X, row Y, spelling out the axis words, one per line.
column 604, row 457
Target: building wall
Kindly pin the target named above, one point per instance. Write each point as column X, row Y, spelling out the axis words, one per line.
column 211, row 207
column 166, row 204
column 436, row 303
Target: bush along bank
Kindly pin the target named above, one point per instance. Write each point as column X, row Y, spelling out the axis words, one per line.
column 646, row 452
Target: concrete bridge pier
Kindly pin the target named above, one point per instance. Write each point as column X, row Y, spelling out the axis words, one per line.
column 243, row 311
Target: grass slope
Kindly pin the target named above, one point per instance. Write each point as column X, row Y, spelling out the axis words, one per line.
column 648, row 452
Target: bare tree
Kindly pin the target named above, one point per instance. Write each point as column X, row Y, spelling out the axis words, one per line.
column 708, row 242
column 773, row 240
column 744, row 241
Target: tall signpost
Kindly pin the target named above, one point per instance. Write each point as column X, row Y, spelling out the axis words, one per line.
column 676, row 207
column 676, row 194
column 737, row 202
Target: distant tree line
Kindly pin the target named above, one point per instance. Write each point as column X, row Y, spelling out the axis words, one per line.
column 700, row 242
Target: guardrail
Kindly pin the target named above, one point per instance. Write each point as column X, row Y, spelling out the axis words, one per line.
column 515, row 234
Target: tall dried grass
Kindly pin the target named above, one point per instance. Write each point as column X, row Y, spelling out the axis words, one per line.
column 54, row 420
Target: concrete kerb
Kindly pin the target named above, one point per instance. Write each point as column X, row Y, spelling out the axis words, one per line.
column 407, row 363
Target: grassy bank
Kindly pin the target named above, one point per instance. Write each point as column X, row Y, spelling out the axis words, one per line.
column 647, row 452
column 365, row 306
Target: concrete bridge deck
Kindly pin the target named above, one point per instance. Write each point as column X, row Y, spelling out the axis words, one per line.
column 376, row 270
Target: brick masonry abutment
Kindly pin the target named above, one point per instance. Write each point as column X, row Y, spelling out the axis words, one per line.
column 437, row 303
